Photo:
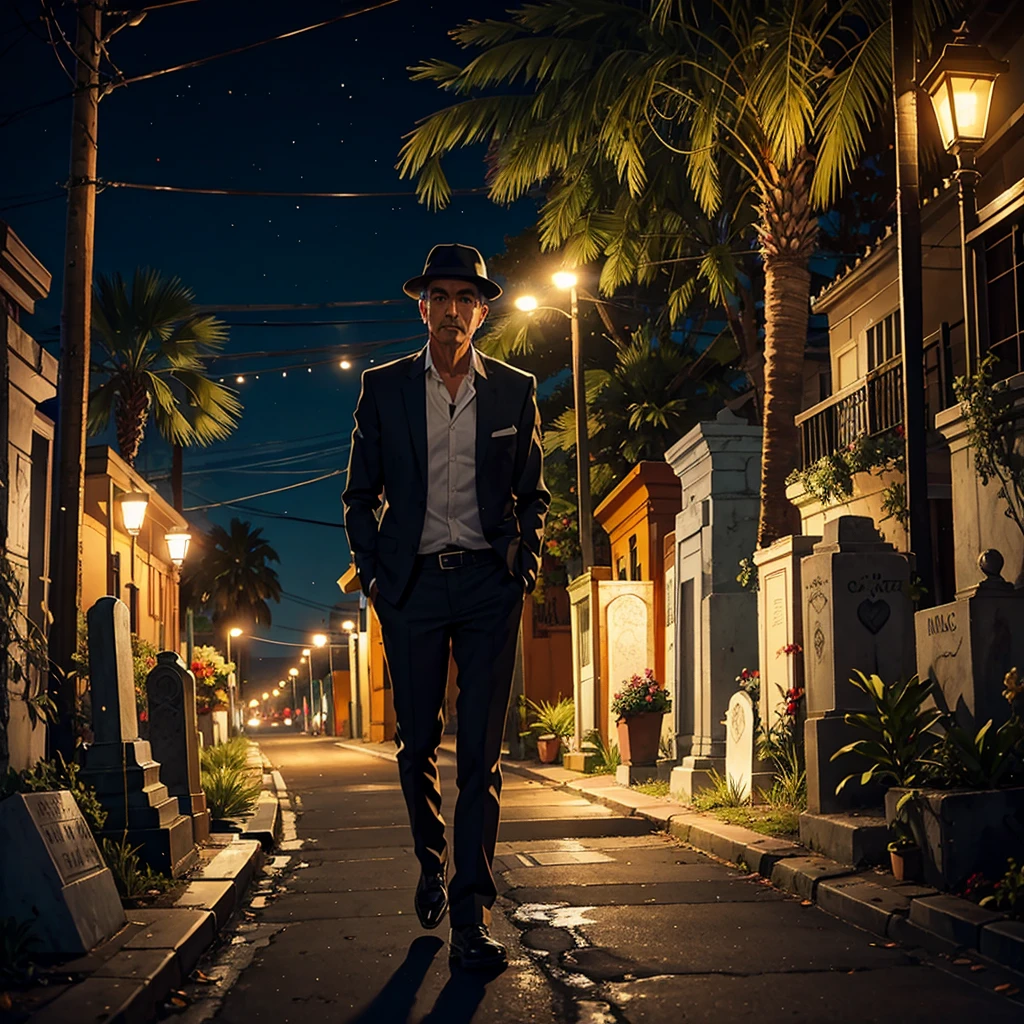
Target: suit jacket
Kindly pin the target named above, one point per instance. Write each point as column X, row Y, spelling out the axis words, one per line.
column 389, row 457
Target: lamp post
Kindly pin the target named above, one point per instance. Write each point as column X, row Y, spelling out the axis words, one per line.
column 321, row 640
column 567, row 281
column 236, row 632
column 133, row 515
column 960, row 86
column 349, row 628
column 293, row 672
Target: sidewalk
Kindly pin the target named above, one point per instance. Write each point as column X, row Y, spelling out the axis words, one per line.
column 869, row 898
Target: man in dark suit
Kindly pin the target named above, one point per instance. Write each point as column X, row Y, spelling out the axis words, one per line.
column 451, row 439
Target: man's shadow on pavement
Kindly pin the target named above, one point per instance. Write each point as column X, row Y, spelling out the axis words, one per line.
column 456, row 1003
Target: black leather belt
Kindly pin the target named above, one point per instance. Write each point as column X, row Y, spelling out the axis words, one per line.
column 459, row 559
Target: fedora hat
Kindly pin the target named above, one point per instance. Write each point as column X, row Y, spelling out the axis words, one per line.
column 456, row 262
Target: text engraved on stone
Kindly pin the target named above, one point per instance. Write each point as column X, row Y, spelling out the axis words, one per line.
column 65, row 834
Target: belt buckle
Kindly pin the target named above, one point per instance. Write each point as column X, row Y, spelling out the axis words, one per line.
column 450, row 554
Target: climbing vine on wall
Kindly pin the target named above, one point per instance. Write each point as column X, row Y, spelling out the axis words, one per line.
column 830, row 478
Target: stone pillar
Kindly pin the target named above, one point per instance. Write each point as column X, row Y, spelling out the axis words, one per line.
column 119, row 764
column 857, row 616
column 584, row 619
column 780, row 619
column 719, row 468
column 968, row 646
column 174, row 737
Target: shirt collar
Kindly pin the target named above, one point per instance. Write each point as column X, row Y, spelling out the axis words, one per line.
column 476, row 364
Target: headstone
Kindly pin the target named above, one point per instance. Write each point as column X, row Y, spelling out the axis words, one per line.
column 719, row 468
column 52, row 874
column 174, row 737
column 857, row 615
column 119, row 764
column 627, row 625
column 742, row 765
column 968, row 645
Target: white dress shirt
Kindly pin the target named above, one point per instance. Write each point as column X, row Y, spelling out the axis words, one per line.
column 453, row 511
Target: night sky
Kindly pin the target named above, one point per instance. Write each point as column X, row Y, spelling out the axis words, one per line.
column 321, row 112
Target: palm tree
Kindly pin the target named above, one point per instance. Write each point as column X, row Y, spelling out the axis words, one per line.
column 777, row 92
column 232, row 575
column 150, row 341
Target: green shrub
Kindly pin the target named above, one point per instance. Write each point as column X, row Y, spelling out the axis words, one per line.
column 230, row 791
column 232, row 754
column 608, row 757
column 16, row 946
column 554, row 719
column 131, row 878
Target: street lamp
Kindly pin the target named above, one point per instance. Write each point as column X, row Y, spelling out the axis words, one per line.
column 177, row 546
column 293, row 672
column 133, row 511
column 567, row 281
column 234, row 631
column 960, row 85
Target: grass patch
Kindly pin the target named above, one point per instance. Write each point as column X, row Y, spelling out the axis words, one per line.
column 656, row 787
column 133, row 879
column 722, row 792
column 230, row 791
column 780, row 822
column 232, row 754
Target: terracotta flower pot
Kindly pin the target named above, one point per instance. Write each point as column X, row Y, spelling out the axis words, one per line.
column 640, row 737
column 906, row 863
column 547, row 748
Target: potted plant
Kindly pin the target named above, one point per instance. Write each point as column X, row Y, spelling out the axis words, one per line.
column 904, row 853
column 552, row 722
column 640, row 704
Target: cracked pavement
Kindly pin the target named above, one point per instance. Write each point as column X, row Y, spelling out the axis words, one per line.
column 606, row 921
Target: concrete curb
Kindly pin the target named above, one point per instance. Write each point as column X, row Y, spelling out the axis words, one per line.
column 130, row 976
column 915, row 915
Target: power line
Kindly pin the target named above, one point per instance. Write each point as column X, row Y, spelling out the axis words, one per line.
column 292, row 306
column 321, row 323
column 104, row 183
column 248, row 46
column 263, row 494
column 348, row 348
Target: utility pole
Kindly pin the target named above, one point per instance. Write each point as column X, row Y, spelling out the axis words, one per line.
column 579, row 384
column 76, row 319
column 908, row 223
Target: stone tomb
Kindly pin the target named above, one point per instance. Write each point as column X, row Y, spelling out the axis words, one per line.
column 52, row 874
column 174, row 737
column 968, row 646
column 743, row 768
column 119, row 764
column 857, row 615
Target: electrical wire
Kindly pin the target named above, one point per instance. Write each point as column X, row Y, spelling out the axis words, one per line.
column 293, row 306
column 263, row 494
column 250, row 46
column 344, row 348
column 321, row 323
column 273, row 194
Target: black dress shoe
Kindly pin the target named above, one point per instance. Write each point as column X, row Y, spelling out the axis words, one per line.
column 473, row 949
column 431, row 899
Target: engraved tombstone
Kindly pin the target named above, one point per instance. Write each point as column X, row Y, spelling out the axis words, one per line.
column 968, row 645
column 119, row 764
column 52, row 874
column 742, row 765
column 174, row 737
column 628, row 654
column 857, row 616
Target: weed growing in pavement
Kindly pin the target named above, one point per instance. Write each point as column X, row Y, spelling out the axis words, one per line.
column 609, row 757
column 230, row 791
column 232, row 754
column 131, row 878
column 656, row 787
column 722, row 792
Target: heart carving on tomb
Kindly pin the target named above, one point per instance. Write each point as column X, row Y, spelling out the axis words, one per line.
column 873, row 615
column 818, row 601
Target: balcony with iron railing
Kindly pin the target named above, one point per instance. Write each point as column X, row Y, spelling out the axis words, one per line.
column 873, row 404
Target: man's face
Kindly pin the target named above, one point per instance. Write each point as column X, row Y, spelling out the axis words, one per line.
column 453, row 310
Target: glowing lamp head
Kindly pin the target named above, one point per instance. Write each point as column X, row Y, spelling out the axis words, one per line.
column 266, row 696
column 564, row 279
column 526, row 303
column 305, row 652
column 345, row 364
column 254, row 703
column 276, row 692
column 293, row 672
column 235, row 631
column 320, row 640
column 177, row 546
column 133, row 511
column 348, row 625
column 960, row 86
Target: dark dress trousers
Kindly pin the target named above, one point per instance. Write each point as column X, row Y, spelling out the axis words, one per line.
column 472, row 609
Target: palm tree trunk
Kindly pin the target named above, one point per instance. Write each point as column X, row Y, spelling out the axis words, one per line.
column 787, row 287
column 131, row 415
column 788, row 229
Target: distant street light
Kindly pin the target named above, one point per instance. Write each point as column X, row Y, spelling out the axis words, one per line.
column 527, row 303
column 348, row 625
column 234, row 631
column 276, row 692
column 266, row 696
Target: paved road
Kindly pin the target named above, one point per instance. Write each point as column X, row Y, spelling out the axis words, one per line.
column 606, row 923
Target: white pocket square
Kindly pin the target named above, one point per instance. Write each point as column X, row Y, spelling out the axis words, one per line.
column 504, row 432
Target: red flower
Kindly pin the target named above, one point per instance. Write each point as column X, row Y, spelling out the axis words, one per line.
column 649, row 698
column 899, row 430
